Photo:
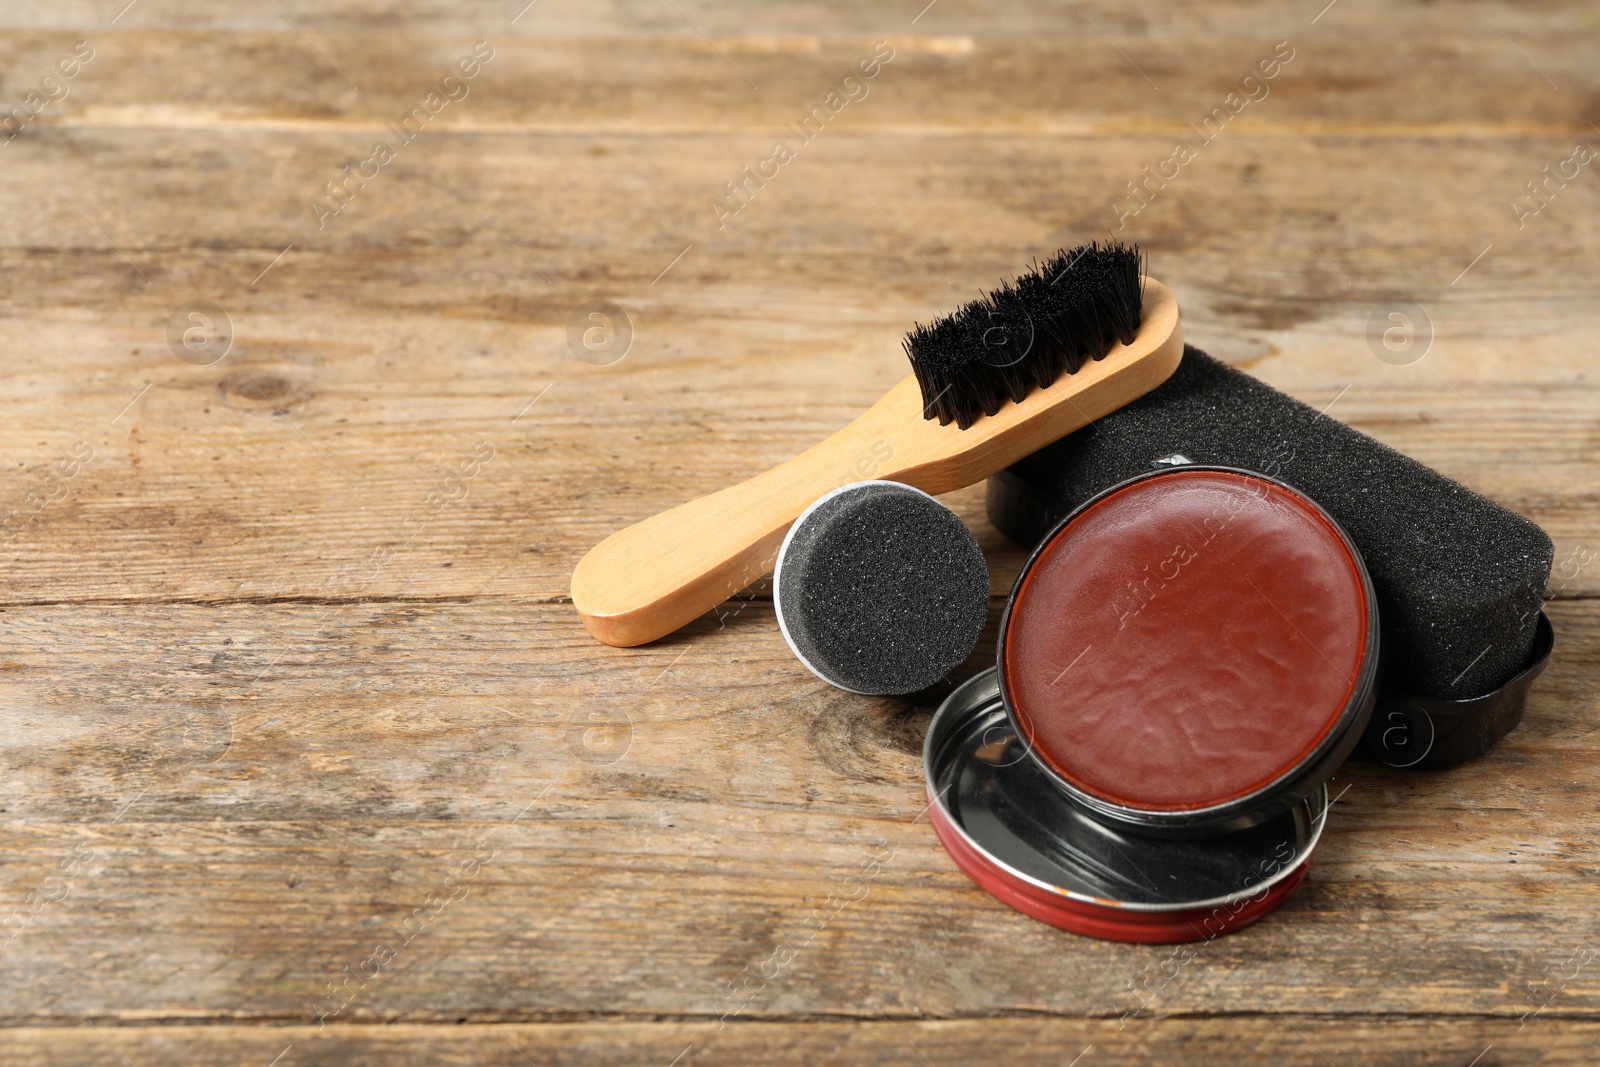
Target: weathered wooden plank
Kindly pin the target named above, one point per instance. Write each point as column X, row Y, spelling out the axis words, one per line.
column 1465, row 81
column 243, row 801
column 359, row 381
column 643, row 18
column 892, row 1042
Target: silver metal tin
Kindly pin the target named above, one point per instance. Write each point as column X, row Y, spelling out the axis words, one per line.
column 1014, row 830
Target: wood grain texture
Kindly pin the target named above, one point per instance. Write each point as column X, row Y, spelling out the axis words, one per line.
column 1401, row 1042
column 287, row 666
column 341, row 417
column 660, row 821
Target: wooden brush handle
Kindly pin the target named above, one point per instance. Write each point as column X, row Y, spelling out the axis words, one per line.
column 643, row 582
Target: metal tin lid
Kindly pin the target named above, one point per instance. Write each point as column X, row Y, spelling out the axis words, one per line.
column 1013, row 830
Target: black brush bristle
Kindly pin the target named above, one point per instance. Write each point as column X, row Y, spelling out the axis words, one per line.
column 1025, row 334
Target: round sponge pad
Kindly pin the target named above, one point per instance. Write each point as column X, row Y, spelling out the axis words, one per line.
column 880, row 589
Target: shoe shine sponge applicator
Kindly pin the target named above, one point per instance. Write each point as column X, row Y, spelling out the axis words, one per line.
column 880, row 589
column 1183, row 662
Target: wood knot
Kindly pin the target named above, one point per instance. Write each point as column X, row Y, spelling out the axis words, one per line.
column 255, row 389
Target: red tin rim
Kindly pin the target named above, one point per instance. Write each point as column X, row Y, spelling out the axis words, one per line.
column 1107, row 920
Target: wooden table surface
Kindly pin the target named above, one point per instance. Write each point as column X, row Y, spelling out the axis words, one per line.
column 306, row 757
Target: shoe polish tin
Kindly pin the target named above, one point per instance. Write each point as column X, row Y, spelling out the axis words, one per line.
column 1012, row 829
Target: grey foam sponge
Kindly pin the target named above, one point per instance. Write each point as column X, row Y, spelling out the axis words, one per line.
column 1459, row 579
column 881, row 589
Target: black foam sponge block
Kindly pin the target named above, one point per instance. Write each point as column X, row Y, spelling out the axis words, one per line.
column 1459, row 579
column 881, row 589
